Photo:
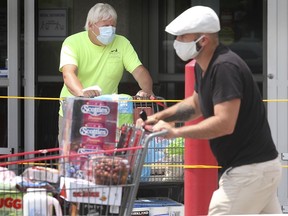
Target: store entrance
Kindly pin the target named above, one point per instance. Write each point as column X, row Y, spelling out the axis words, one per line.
column 33, row 65
column 10, row 83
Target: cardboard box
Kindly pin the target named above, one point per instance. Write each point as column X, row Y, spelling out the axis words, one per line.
column 82, row 191
column 96, row 133
column 92, row 209
column 160, row 205
column 3, row 72
column 176, row 210
column 89, row 125
column 42, row 174
column 90, row 110
column 140, row 212
column 89, row 122
column 125, row 107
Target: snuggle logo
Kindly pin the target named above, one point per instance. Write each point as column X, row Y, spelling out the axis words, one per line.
column 93, row 132
column 10, row 203
column 95, row 110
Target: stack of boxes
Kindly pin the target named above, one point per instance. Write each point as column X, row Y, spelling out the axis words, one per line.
column 90, row 125
column 156, row 206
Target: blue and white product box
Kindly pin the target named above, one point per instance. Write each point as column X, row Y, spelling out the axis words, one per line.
column 160, row 206
column 140, row 212
column 125, row 107
column 3, row 72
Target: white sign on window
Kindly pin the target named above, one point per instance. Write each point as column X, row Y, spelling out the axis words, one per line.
column 52, row 23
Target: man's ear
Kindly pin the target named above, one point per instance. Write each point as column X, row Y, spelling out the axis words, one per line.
column 201, row 43
column 90, row 24
column 198, row 46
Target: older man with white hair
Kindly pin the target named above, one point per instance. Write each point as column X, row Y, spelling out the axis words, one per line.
column 93, row 61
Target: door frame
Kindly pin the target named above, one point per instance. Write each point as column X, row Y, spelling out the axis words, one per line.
column 14, row 80
column 277, row 85
column 29, row 74
column 14, row 84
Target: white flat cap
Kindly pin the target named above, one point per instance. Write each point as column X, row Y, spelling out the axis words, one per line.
column 197, row 19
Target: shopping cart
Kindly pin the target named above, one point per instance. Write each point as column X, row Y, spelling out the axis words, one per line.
column 110, row 189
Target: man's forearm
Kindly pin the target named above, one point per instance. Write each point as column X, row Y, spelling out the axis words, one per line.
column 178, row 113
column 144, row 79
column 182, row 113
column 73, row 84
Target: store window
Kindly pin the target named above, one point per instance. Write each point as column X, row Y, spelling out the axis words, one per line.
column 3, row 73
column 3, row 34
column 241, row 30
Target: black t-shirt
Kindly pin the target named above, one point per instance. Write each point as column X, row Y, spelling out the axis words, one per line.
column 228, row 77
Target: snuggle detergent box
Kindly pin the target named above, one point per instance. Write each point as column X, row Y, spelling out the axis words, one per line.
column 11, row 203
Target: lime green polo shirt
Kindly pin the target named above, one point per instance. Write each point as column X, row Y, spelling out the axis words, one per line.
column 98, row 65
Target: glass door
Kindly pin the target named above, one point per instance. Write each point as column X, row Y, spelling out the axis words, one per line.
column 3, row 78
column 242, row 29
column 9, row 77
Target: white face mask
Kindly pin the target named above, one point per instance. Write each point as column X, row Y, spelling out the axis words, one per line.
column 187, row 51
column 106, row 34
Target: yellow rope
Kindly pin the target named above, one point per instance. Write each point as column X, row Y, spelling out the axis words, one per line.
column 190, row 166
column 29, row 98
column 40, row 164
column 184, row 166
column 275, row 100
column 47, row 98
column 135, row 100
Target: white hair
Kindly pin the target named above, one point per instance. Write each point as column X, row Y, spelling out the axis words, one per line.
column 100, row 11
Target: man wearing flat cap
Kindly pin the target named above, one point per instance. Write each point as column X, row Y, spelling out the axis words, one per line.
column 235, row 121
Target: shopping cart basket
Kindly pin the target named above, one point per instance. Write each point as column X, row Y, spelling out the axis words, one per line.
column 165, row 157
column 149, row 105
column 22, row 172
column 110, row 189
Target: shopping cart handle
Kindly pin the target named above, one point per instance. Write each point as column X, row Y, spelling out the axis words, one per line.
column 155, row 134
column 143, row 115
column 160, row 133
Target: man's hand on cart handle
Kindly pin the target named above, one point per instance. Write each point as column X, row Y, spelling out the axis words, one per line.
column 144, row 95
column 169, row 128
column 143, row 115
column 144, row 121
column 152, row 124
column 141, row 122
column 92, row 91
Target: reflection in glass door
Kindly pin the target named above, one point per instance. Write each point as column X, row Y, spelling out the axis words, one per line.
column 9, row 77
column 3, row 77
column 242, row 29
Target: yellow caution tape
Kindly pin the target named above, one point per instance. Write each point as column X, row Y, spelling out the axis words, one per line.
column 140, row 100
column 190, row 166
